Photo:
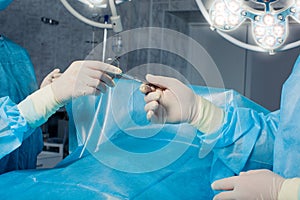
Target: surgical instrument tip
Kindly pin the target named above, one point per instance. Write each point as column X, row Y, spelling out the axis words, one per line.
column 129, row 77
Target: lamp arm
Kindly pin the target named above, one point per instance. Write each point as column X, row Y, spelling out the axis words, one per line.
column 115, row 18
column 290, row 46
column 203, row 11
column 84, row 19
column 113, row 7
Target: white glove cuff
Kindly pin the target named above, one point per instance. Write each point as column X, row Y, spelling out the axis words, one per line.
column 39, row 106
column 290, row 189
column 209, row 117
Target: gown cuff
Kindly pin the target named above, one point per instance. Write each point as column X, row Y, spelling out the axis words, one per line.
column 39, row 106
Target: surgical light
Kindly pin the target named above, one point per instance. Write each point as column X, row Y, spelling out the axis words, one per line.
column 95, row 3
column 269, row 26
column 115, row 19
column 99, row 3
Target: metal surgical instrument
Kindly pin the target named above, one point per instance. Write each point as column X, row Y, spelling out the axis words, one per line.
column 129, row 77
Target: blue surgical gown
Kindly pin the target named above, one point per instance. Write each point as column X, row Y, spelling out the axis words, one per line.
column 249, row 139
column 17, row 82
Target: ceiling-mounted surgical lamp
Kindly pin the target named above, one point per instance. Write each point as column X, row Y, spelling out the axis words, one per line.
column 270, row 27
column 115, row 19
column 100, row 3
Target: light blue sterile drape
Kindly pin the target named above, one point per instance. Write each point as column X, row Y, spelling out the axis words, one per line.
column 17, row 82
column 287, row 142
column 104, row 172
column 248, row 137
column 244, row 142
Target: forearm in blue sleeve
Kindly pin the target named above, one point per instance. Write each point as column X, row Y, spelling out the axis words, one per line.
column 13, row 127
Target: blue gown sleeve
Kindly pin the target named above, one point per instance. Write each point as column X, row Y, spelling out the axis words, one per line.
column 245, row 141
column 13, row 127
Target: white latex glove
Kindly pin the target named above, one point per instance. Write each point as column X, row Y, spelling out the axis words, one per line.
column 290, row 189
column 172, row 101
column 51, row 77
column 81, row 78
column 254, row 184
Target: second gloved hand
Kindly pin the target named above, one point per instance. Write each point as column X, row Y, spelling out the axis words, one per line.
column 51, row 77
column 255, row 184
column 173, row 102
column 83, row 78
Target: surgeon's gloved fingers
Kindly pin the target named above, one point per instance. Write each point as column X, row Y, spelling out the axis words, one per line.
column 153, row 105
column 224, row 184
column 150, row 115
column 250, row 172
column 146, row 88
column 94, row 88
column 56, row 76
column 50, row 77
column 229, row 195
column 99, row 75
column 95, row 84
column 55, row 71
column 97, row 65
column 161, row 81
column 83, row 78
column 263, row 184
column 152, row 96
column 84, row 92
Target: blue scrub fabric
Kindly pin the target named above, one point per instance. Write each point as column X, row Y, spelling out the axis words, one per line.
column 4, row 4
column 99, row 173
column 88, row 178
column 250, row 139
column 17, row 82
column 287, row 141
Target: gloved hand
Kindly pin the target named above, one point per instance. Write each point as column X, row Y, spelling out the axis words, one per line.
column 254, row 184
column 81, row 78
column 51, row 77
column 173, row 102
